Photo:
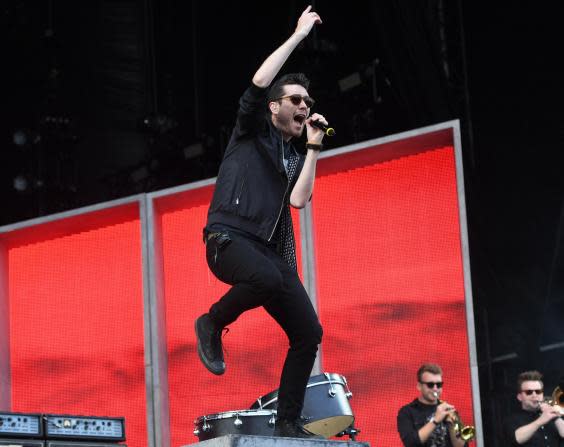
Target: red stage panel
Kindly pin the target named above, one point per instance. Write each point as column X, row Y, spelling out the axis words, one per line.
column 390, row 283
column 76, row 320
column 255, row 347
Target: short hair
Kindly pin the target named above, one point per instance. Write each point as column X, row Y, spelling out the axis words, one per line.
column 528, row 376
column 432, row 368
column 277, row 89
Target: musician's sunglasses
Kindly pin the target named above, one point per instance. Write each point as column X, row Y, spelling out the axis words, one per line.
column 432, row 385
column 297, row 100
column 529, row 392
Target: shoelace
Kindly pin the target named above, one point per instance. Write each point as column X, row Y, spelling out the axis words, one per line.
column 222, row 333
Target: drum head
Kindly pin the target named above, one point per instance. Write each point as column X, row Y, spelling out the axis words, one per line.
column 330, row 426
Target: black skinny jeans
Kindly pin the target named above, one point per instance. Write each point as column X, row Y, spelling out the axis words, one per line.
column 260, row 277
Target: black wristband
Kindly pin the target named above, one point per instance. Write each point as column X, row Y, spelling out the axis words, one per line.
column 434, row 422
column 314, row 147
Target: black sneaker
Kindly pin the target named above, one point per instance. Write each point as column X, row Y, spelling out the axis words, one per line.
column 209, row 345
column 293, row 429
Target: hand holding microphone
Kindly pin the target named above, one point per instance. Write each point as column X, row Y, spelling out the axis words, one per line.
column 329, row 131
column 318, row 121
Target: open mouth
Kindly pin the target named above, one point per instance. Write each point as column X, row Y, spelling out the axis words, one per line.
column 299, row 118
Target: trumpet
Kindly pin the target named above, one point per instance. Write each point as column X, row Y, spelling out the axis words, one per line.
column 464, row 432
column 557, row 398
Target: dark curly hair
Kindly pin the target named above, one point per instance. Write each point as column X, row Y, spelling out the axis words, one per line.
column 277, row 89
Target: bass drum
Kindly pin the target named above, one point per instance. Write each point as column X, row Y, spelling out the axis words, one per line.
column 326, row 411
column 242, row 422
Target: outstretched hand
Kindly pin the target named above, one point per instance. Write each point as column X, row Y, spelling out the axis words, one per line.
column 306, row 21
column 273, row 63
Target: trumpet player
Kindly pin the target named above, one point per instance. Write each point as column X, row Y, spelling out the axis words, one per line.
column 427, row 421
column 537, row 422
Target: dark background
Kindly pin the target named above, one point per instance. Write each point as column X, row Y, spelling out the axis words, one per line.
column 105, row 99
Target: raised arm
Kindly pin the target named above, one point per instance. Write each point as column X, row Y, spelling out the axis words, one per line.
column 273, row 63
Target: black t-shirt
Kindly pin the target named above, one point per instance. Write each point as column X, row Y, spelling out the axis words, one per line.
column 546, row 436
column 415, row 415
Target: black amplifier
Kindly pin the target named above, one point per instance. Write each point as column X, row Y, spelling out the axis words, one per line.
column 24, row 425
column 88, row 428
column 22, row 442
column 80, row 444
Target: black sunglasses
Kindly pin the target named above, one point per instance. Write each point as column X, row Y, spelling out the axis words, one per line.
column 432, row 384
column 529, row 392
column 297, row 100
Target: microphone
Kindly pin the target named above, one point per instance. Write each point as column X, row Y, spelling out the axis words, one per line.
column 329, row 131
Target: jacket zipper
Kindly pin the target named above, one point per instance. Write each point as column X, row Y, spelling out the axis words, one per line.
column 285, row 192
column 242, row 184
column 240, row 192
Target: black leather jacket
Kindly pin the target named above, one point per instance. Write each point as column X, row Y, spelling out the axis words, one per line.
column 252, row 185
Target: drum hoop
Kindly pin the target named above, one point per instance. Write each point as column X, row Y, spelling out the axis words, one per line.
column 309, row 385
column 324, row 375
column 230, row 414
column 325, row 382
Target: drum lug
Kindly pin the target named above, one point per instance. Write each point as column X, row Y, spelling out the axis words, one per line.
column 272, row 421
column 206, row 427
column 237, row 422
column 331, row 391
column 348, row 393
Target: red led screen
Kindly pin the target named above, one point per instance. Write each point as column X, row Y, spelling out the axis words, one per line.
column 390, row 283
column 76, row 321
column 255, row 346
column 390, row 294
